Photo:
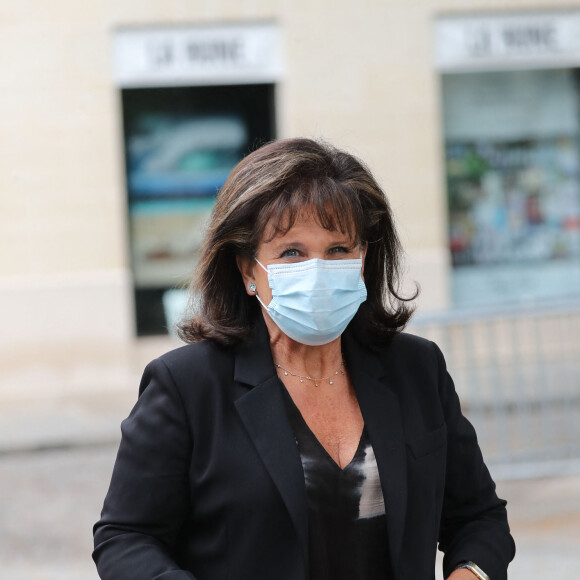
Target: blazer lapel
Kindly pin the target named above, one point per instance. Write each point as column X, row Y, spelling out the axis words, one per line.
column 381, row 413
column 263, row 413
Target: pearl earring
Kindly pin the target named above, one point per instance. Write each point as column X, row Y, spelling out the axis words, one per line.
column 252, row 287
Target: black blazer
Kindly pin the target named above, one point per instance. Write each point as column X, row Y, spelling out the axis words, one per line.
column 208, row 483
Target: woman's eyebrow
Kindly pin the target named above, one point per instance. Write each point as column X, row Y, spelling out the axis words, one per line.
column 347, row 242
column 283, row 245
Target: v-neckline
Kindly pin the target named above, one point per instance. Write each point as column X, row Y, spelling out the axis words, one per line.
column 296, row 411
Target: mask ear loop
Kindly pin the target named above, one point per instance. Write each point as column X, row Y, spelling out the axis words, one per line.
column 256, row 294
column 263, row 267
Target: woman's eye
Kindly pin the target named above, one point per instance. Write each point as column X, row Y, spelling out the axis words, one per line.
column 291, row 253
column 339, row 250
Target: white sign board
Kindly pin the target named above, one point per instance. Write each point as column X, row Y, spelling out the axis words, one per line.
column 197, row 55
column 507, row 41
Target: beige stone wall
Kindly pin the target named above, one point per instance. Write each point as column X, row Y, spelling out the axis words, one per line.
column 360, row 74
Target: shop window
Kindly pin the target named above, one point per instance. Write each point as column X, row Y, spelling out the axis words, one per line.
column 512, row 154
column 180, row 145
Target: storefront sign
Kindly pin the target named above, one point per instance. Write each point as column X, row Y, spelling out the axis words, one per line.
column 197, row 55
column 508, row 41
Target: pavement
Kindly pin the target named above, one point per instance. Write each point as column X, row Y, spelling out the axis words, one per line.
column 56, row 457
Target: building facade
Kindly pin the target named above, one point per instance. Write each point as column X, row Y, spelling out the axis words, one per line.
column 121, row 120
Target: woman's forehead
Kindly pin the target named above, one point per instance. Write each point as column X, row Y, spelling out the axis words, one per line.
column 307, row 222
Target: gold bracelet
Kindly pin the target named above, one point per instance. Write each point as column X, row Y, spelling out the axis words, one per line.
column 473, row 567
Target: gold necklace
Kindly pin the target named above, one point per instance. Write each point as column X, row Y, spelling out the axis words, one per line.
column 314, row 380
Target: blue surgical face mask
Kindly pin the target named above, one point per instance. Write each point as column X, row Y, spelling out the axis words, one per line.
column 313, row 301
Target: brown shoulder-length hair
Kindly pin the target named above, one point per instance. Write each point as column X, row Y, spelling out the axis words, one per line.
column 264, row 194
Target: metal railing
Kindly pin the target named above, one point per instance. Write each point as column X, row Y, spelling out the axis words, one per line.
column 517, row 372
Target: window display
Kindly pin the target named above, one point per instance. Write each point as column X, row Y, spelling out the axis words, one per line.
column 180, row 146
column 512, row 146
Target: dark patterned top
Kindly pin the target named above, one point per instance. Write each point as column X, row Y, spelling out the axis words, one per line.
column 346, row 510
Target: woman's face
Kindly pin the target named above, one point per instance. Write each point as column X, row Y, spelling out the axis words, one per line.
column 305, row 240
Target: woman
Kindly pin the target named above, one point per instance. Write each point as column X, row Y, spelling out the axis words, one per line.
column 301, row 434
